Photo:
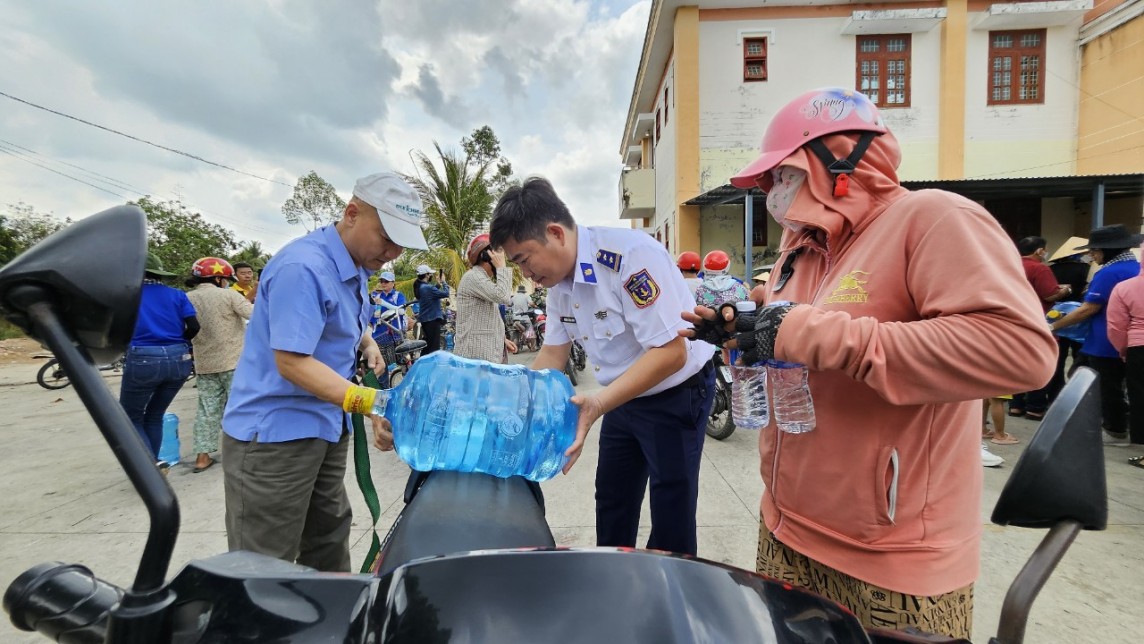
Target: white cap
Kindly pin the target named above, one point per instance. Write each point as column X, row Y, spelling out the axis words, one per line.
column 386, row 276
column 746, row 306
column 423, row 269
column 398, row 205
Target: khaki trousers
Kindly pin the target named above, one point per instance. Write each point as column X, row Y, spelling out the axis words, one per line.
column 288, row 500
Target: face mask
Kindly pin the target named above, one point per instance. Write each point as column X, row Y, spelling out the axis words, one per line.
column 788, row 181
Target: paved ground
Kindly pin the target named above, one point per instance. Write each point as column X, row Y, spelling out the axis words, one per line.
column 63, row 497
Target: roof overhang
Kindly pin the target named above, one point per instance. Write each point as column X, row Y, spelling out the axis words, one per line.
column 1032, row 15
column 1077, row 187
column 893, row 21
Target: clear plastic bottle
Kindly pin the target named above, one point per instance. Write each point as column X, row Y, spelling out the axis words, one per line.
column 749, row 407
column 790, row 391
column 453, row 413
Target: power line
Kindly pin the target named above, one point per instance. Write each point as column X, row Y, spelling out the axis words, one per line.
column 26, row 160
column 115, row 183
column 135, row 138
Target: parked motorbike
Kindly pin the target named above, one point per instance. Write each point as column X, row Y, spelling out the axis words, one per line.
column 720, row 424
column 470, row 558
column 522, row 331
column 52, row 375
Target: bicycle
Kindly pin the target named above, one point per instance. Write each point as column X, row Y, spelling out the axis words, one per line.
column 52, row 376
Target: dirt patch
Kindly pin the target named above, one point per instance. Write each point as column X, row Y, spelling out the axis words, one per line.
column 20, row 351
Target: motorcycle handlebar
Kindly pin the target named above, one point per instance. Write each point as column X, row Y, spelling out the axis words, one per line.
column 64, row 602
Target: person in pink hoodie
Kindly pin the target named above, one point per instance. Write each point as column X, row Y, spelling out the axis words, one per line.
column 908, row 308
column 1126, row 333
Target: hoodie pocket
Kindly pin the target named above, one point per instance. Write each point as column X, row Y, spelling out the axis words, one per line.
column 888, row 477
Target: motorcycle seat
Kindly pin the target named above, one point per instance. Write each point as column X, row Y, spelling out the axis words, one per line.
column 409, row 346
column 450, row 512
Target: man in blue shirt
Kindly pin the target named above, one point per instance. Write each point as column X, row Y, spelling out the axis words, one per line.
column 1110, row 247
column 285, row 425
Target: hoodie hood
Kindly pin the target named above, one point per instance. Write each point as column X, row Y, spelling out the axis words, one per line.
column 719, row 282
column 873, row 186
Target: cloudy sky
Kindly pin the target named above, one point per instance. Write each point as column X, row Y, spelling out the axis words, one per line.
column 276, row 88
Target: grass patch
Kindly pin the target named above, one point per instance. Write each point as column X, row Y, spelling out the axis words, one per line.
column 9, row 330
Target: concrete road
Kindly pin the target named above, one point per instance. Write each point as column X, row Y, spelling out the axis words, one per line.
column 63, row 497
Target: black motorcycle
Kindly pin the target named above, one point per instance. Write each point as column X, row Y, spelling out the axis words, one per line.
column 471, row 557
column 720, row 424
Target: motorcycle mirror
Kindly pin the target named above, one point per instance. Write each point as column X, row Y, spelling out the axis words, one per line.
column 1060, row 475
column 93, row 273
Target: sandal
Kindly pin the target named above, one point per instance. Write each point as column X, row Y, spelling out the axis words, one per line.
column 1016, row 411
column 203, row 468
column 1035, row 415
column 1008, row 439
column 985, row 435
column 1137, row 461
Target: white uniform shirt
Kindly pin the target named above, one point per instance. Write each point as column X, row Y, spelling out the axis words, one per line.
column 624, row 298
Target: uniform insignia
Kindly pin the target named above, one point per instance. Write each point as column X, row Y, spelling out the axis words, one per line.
column 608, row 259
column 642, row 288
column 588, row 272
column 568, row 319
column 600, row 315
column 849, row 289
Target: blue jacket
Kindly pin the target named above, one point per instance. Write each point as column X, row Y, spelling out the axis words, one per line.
column 429, row 297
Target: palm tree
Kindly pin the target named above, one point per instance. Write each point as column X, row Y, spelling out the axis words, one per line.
column 252, row 253
column 457, row 202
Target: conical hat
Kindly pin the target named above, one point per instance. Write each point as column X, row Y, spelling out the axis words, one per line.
column 1069, row 248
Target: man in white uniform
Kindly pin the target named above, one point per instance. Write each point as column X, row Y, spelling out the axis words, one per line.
column 619, row 293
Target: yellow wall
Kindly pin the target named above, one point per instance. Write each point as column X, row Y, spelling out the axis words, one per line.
column 686, row 47
column 1005, row 159
column 951, row 119
column 1110, row 134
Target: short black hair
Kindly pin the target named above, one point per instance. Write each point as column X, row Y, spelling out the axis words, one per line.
column 238, row 265
column 523, row 212
column 1030, row 245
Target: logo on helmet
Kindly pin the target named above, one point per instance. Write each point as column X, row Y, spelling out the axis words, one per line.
column 837, row 104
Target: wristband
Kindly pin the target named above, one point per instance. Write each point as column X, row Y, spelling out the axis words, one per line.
column 359, row 400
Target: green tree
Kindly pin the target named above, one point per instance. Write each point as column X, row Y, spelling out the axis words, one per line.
column 252, row 253
column 179, row 236
column 315, row 203
column 458, row 197
column 23, row 228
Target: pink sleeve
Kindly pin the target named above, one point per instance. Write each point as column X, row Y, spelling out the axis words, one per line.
column 977, row 334
column 1118, row 320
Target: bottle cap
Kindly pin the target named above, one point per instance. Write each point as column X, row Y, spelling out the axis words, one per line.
column 746, row 306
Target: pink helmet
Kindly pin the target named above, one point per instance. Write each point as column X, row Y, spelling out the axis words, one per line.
column 807, row 118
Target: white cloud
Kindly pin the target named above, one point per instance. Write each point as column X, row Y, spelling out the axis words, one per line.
column 280, row 87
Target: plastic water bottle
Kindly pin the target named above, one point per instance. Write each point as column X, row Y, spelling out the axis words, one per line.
column 794, row 408
column 169, row 449
column 454, row 413
column 749, row 407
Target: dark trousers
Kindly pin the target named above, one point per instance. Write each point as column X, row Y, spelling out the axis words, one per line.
column 431, row 333
column 1064, row 348
column 288, row 500
column 152, row 377
column 1134, row 376
column 1113, row 405
column 658, row 437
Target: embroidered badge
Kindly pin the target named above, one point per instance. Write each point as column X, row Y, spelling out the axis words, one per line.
column 642, row 288
column 568, row 319
column 608, row 259
column 588, row 272
column 600, row 315
column 849, row 289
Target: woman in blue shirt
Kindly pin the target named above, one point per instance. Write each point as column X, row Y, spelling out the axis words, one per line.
column 392, row 332
column 430, row 315
column 158, row 360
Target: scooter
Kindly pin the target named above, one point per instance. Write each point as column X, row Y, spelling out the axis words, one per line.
column 470, row 558
column 720, row 424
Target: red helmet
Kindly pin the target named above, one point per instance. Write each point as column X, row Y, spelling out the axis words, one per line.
column 716, row 261
column 688, row 261
column 479, row 244
column 212, row 267
column 810, row 116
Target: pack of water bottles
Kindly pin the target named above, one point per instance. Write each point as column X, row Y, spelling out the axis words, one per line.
column 453, row 413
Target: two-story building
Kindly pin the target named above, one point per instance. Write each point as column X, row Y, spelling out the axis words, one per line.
column 1036, row 109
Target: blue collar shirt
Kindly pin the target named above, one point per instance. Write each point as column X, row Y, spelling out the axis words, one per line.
column 311, row 300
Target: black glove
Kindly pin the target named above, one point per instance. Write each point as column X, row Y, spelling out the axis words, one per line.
column 758, row 342
column 715, row 331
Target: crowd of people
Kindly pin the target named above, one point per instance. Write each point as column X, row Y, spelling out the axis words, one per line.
column 860, row 294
